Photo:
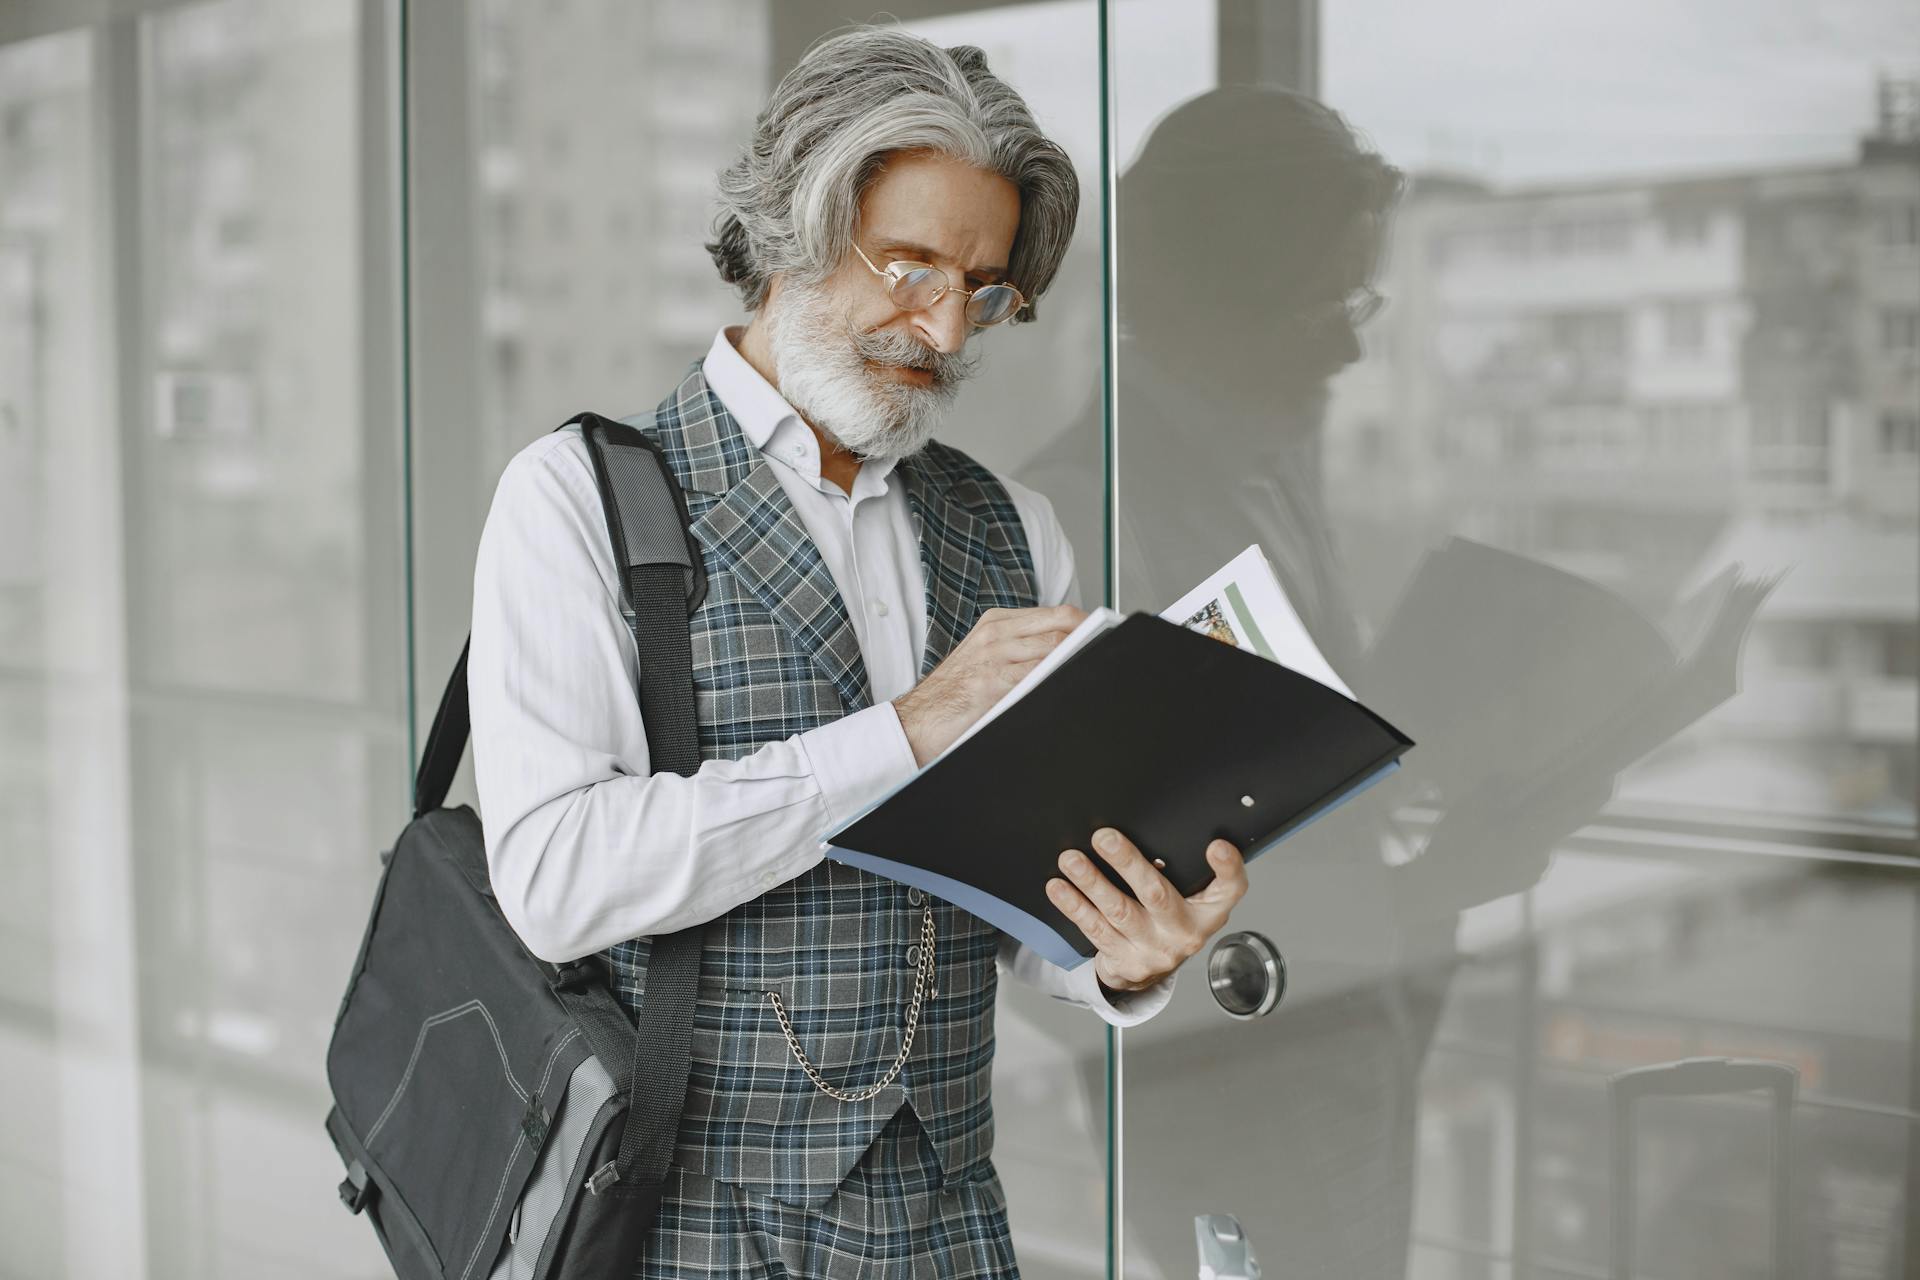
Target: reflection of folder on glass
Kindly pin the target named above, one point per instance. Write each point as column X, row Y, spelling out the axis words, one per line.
column 1544, row 684
column 1137, row 723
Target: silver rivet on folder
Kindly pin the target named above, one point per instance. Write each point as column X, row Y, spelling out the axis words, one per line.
column 1247, row 801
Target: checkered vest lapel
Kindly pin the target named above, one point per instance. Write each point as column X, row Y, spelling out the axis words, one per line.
column 953, row 554
column 756, row 532
column 775, row 654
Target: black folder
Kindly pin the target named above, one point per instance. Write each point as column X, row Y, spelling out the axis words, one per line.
column 1171, row 736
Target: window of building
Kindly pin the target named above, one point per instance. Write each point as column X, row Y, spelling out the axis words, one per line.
column 1900, row 331
column 1686, row 227
column 1900, row 225
column 1590, row 332
column 1900, row 650
column 1514, row 241
column 1791, row 442
column 1685, row 327
column 1802, row 425
column 1801, row 646
column 1590, row 235
column 1900, row 432
column 1682, row 430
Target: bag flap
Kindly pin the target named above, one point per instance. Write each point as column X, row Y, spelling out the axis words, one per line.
column 465, row 850
column 451, row 1053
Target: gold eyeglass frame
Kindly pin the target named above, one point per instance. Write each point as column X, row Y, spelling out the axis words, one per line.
column 942, row 290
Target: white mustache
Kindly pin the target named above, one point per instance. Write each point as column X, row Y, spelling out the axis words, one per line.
column 900, row 351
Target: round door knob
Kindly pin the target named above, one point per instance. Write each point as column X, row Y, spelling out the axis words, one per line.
column 1246, row 974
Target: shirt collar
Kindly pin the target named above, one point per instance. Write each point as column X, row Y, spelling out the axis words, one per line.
column 769, row 423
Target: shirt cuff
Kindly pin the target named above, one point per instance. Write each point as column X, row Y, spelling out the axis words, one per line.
column 857, row 759
column 1129, row 1008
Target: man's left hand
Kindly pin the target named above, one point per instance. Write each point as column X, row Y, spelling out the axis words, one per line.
column 1142, row 939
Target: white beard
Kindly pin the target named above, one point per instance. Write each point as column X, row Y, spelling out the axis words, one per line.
column 822, row 364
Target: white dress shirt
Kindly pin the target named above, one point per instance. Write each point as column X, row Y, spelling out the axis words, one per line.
column 587, row 847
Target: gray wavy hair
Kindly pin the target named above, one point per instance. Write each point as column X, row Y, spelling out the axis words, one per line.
column 789, row 203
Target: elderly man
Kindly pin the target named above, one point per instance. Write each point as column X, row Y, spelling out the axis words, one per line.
column 871, row 592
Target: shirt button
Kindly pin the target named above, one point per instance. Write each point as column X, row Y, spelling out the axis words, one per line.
column 880, row 607
column 769, row 880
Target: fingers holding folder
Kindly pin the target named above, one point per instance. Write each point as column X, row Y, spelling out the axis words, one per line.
column 1142, row 938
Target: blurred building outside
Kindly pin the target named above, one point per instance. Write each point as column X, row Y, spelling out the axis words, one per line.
column 1643, row 381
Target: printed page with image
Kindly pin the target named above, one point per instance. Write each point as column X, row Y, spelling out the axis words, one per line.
column 1241, row 604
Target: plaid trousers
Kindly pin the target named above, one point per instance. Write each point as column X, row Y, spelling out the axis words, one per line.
column 775, row 654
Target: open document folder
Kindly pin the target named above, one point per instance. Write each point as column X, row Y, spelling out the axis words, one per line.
column 1148, row 724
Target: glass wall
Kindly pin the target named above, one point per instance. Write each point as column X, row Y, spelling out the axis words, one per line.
column 201, row 621
column 1562, row 361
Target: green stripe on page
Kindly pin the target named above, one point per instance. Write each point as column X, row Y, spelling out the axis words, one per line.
column 1239, row 603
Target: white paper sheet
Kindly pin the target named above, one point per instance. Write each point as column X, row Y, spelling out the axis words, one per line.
column 1244, row 603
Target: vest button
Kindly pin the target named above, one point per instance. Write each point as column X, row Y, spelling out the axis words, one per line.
column 915, row 896
column 913, row 956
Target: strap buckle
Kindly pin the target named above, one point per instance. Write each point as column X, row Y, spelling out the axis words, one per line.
column 357, row 1188
column 603, row 1177
column 578, row 975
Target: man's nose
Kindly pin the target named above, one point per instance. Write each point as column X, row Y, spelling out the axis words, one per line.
column 945, row 323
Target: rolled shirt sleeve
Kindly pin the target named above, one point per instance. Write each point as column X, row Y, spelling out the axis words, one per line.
column 1080, row 986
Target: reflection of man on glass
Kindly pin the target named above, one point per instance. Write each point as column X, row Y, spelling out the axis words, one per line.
column 1251, row 227
column 870, row 593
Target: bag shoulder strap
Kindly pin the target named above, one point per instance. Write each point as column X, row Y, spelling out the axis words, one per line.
column 663, row 581
column 652, row 537
column 642, row 500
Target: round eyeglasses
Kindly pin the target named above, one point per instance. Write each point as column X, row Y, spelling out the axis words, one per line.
column 915, row 286
column 1354, row 310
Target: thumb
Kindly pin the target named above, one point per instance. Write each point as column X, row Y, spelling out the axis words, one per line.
column 1229, row 873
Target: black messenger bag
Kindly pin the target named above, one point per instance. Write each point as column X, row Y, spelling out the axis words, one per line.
column 500, row 1116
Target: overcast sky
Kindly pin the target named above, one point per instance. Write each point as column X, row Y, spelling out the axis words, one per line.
column 1550, row 89
column 1526, row 91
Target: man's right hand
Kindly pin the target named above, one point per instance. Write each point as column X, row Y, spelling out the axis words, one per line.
column 1002, row 647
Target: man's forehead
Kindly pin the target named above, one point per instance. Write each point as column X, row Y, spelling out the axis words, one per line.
column 935, row 206
column 932, row 247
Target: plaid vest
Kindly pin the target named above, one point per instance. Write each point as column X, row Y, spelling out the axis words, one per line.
column 774, row 654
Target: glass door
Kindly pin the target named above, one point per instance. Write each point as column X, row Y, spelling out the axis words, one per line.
column 1563, row 362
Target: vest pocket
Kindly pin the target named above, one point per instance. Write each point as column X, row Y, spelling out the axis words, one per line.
column 730, row 991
